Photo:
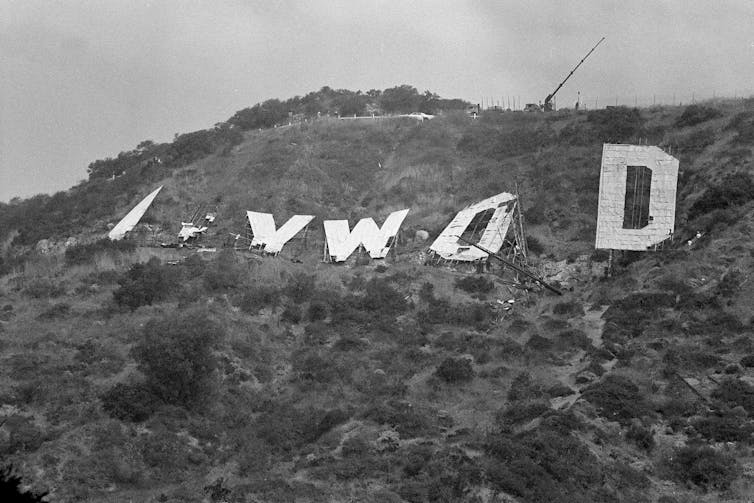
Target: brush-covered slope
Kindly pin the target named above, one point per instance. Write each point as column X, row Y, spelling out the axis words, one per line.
column 147, row 374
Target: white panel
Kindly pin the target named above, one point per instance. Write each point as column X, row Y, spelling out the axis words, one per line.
column 612, row 197
column 449, row 247
column 337, row 235
column 132, row 218
column 285, row 233
column 389, row 229
column 262, row 225
column 341, row 242
column 265, row 234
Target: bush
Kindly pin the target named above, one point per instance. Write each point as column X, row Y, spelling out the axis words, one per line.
column 523, row 387
column 543, row 465
column 616, row 124
column 534, row 245
column 568, row 308
column 455, row 370
column 258, row 297
column 735, row 190
column 747, row 361
column 703, row 466
column 129, row 402
column 292, row 314
column 725, row 426
column 84, row 253
column 224, row 273
column 381, row 297
column 317, row 311
column 475, row 284
column 10, row 488
column 618, row 399
column 734, row 392
column 520, row 413
column 175, row 355
column 144, row 284
column 641, row 436
column 696, row 114
column 300, row 287
column 40, row 288
column 409, row 421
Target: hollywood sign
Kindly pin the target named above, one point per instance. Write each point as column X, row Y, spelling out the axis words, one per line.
column 341, row 241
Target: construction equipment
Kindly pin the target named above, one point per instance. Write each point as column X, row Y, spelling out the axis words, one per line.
column 548, row 107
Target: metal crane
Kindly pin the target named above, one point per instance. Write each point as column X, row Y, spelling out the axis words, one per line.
column 548, row 101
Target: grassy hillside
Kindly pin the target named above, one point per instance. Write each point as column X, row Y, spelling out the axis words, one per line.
column 148, row 374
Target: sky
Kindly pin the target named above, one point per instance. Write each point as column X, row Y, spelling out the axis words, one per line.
column 84, row 80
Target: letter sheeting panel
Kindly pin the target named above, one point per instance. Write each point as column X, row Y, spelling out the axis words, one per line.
column 341, row 242
column 265, row 234
column 612, row 197
column 132, row 218
column 447, row 244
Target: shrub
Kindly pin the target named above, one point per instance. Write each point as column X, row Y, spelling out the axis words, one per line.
column 539, row 343
column 10, row 488
column 455, row 370
column 300, row 287
column 616, row 124
column 175, row 355
column 292, row 314
column 317, row 311
column 641, row 436
column 725, row 426
column 618, row 399
column 409, row 421
column 568, row 308
column 83, row 253
column 543, row 465
column 703, row 466
column 734, row 190
column 696, row 114
column 144, row 284
column 475, row 284
column 427, row 292
column 523, row 387
column 129, row 402
column 574, row 338
column 257, row 297
column 743, row 124
column 534, row 245
column 381, row 297
column 224, row 273
column 733, row 392
column 40, row 288
column 520, row 413
column 747, row 361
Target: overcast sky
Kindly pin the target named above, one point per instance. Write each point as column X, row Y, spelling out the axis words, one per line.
column 85, row 80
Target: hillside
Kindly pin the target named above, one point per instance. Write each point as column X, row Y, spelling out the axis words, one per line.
column 151, row 374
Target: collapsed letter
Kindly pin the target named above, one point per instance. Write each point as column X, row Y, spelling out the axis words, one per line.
column 447, row 244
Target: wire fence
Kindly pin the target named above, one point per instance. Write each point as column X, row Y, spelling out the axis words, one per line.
column 592, row 102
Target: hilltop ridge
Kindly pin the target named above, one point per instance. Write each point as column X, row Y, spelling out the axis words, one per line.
column 131, row 372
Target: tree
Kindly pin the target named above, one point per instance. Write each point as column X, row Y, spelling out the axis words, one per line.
column 175, row 355
column 401, row 99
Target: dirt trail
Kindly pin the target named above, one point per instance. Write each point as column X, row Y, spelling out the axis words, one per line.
column 591, row 323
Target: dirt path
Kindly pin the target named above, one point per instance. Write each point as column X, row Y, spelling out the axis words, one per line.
column 591, row 323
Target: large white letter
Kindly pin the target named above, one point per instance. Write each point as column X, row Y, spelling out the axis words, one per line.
column 265, row 235
column 342, row 242
column 449, row 247
column 132, row 218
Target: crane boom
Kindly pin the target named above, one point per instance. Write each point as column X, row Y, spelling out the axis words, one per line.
column 548, row 100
